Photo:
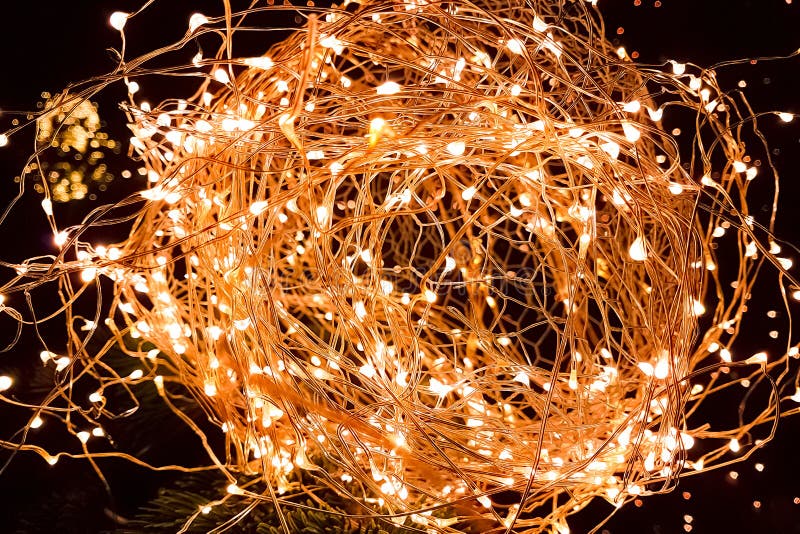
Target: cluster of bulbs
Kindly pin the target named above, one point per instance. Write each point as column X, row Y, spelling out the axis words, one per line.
column 439, row 253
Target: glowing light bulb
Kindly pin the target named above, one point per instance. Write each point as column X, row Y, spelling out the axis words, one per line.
column 197, row 20
column 611, row 148
column 360, row 310
column 758, row 358
column 89, row 274
column 221, row 75
column 515, row 46
column 468, row 193
column 367, row 370
column 386, row 287
column 323, row 215
column 632, row 107
column 450, row 265
column 638, row 250
column 5, row 382
column 136, row 374
column 263, row 62
column 118, row 19
column 655, row 114
column 456, row 148
column 646, row 368
column 573, row 380
column 631, row 132
column 661, row 370
column 376, row 127
column 257, row 208
column 388, row 88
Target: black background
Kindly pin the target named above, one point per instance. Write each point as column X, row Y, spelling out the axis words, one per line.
column 47, row 44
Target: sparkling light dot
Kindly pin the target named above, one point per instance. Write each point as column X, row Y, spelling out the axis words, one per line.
column 197, row 20
column 118, row 20
column 457, row 148
column 388, row 88
column 5, row 382
column 638, row 250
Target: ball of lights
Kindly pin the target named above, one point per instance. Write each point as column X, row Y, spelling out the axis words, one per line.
column 440, row 253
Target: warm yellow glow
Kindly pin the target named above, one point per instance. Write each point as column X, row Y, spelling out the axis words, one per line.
column 515, row 46
column 47, row 206
column 259, row 62
column 5, row 382
column 758, row 358
column 632, row 133
column 456, row 148
column 197, row 20
column 118, row 19
column 389, row 88
column 638, row 250
column 221, row 75
column 383, row 244
column 632, row 107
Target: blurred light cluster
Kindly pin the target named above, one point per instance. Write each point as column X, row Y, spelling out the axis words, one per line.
column 77, row 166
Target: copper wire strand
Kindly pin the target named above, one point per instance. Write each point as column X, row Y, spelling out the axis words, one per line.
column 484, row 279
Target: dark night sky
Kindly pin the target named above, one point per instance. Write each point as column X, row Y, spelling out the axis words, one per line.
column 46, row 44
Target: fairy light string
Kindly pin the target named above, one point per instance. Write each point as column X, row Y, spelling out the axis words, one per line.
column 447, row 249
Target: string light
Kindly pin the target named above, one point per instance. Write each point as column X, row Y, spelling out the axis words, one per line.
column 390, row 240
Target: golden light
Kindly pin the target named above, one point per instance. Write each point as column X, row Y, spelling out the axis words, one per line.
column 446, row 264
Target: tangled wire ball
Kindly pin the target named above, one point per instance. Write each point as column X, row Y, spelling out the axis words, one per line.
column 439, row 254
